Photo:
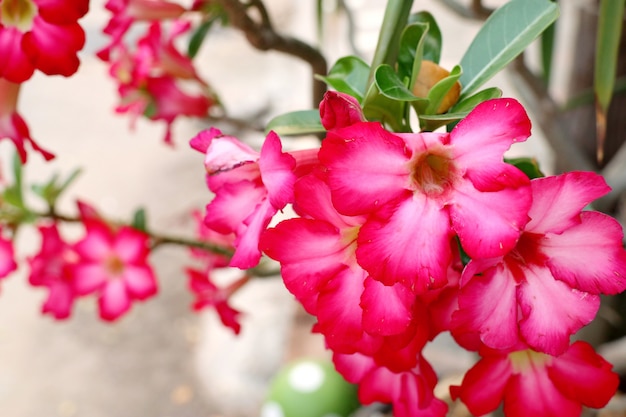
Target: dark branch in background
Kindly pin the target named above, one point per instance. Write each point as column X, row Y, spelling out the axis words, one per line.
column 261, row 34
column 474, row 11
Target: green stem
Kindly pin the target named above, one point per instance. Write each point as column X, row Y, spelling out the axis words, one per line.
column 394, row 21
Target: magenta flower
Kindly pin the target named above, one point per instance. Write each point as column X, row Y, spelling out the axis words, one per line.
column 114, row 264
column 40, row 34
column 547, row 287
column 419, row 190
column 249, row 188
column 12, row 126
column 339, row 110
column 210, row 295
column 7, row 256
column 539, row 385
column 52, row 268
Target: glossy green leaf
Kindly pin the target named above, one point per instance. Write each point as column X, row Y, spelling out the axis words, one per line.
column 139, row 220
column 197, row 37
column 468, row 104
column 528, row 166
column 503, row 36
column 607, row 50
column 430, row 122
column 296, row 123
column 439, row 90
column 391, row 86
column 390, row 112
column 432, row 41
column 348, row 75
column 411, row 51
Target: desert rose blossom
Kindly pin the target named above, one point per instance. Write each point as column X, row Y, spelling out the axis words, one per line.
column 12, row 126
column 419, row 190
column 250, row 188
column 547, row 287
column 7, row 256
column 51, row 267
column 40, row 35
column 531, row 383
column 113, row 263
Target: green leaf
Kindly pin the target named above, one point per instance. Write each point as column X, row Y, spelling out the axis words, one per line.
column 430, row 122
column 296, row 123
column 547, row 50
column 391, row 86
column 388, row 111
column 411, row 51
column 139, row 220
column 607, row 50
column 14, row 193
column 348, row 75
column 439, row 90
column 468, row 104
column 528, row 166
column 197, row 38
column 503, row 36
column 432, row 41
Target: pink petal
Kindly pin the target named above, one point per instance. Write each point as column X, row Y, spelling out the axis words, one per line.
column 353, row 367
column 131, row 245
column 484, row 384
column 202, row 140
column 367, row 167
column 247, row 253
column 139, row 281
column 558, row 200
column 277, row 171
column 96, row 245
column 589, row 256
column 229, row 316
column 310, row 253
column 7, row 259
column 584, row 376
column 15, row 64
column 223, row 152
column 487, row 309
column 552, row 311
column 412, row 247
column 232, row 205
column 60, row 300
column 114, row 300
column 480, row 140
column 89, row 277
column 339, row 110
column 489, row 223
column 387, row 310
column 54, row 48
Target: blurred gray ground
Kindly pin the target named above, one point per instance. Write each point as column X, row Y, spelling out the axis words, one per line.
column 162, row 360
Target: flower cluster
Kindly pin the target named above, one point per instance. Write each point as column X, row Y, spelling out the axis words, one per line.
column 155, row 79
column 109, row 262
column 378, row 254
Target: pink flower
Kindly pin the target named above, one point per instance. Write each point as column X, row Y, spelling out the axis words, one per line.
column 12, row 125
column 339, row 110
column 40, row 34
column 114, row 264
column 419, row 190
column 539, row 385
column 210, row 295
column 547, row 287
column 52, row 268
column 7, row 256
column 249, row 189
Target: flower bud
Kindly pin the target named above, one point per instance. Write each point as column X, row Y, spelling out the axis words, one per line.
column 429, row 75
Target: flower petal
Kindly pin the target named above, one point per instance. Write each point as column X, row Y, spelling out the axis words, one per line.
column 114, row 300
column 483, row 385
column 139, row 281
column 277, row 171
column 387, row 310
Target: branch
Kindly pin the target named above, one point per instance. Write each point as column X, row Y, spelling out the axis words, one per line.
column 475, row 11
column 261, row 35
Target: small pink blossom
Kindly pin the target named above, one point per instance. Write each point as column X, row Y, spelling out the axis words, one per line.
column 52, row 268
column 535, row 384
column 419, row 190
column 547, row 287
column 248, row 191
column 339, row 110
column 7, row 256
column 114, row 264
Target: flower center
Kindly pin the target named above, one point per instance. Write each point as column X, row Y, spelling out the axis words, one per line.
column 18, row 13
column 523, row 360
column 433, row 173
column 114, row 265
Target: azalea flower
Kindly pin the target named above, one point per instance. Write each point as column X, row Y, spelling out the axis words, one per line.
column 419, row 190
column 249, row 187
column 535, row 384
column 208, row 294
column 52, row 268
column 40, row 34
column 12, row 126
column 114, row 264
column 547, row 287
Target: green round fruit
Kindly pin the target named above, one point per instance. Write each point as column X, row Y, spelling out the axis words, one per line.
column 310, row 388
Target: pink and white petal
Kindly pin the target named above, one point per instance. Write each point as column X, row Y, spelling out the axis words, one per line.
column 131, row 245
column 480, row 140
column 114, row 300
column 247, row 253
column 310, row 253
column 589, row 256
column 584, row 376
column 387, row 310
column 552, row 311
column 367, row 167
column 277, row 171
column 223, row 152
column 497, row 176
column 232, row 205
column 60, row 300
column 487, row 310
column 140, row 281
column 532, row 393
column 489, row 223
column 412, row 247
column 558, row 200
column 97, row 243
column 202, row 140
column 88, row 277
column 483, row 386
